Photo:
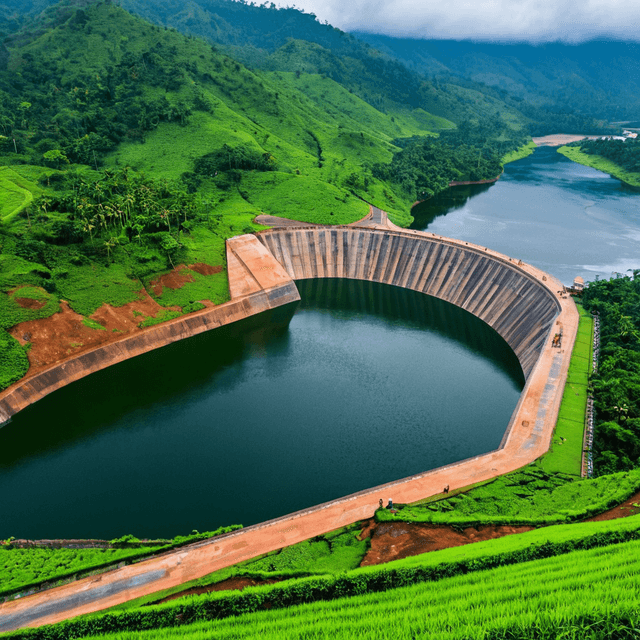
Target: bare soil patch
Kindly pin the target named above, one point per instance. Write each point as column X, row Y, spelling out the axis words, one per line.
column 64, row 334
column 175, row 279
column 179, row 276
column 30, row 303
column 624, row 510
column 396, row 540
column 205, row 269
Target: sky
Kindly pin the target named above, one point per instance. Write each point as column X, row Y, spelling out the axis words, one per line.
column 489, row 20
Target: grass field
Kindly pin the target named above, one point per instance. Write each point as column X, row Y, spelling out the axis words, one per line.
column 550, row 598
column 547, row 572
column 602, row 164
column 20, row 568
column 16, row 193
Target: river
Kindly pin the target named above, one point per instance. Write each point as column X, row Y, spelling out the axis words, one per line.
column 565, row 218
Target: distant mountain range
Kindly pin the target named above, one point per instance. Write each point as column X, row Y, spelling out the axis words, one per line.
column 598, row 78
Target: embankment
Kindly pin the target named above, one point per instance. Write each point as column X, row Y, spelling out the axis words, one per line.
column 519, row 307
column 258, row 284
column 602, row 164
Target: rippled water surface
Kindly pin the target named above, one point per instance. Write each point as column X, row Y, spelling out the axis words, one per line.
column 565, row 218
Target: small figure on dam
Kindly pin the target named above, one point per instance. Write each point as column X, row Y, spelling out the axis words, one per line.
column 390, row 505
column 380, row 503
column 446, row 489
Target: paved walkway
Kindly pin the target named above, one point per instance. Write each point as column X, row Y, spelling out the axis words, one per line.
column 528, row 437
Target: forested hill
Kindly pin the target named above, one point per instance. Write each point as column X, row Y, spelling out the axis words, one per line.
column 600, row 79
column 287, row 39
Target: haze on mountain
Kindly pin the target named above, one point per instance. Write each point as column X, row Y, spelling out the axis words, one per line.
column 534, row 21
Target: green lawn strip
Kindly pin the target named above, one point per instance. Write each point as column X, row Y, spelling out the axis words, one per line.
column 602, row 164
column 23, row 569
column 26, row 569
column 520, row 152
column 16, row 192
column 565, row 452
column 526, row 497
column 568, row 544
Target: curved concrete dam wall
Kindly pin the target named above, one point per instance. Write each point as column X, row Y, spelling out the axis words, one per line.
column 521, row 308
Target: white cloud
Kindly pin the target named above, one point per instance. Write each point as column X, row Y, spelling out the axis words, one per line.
column 521, row 20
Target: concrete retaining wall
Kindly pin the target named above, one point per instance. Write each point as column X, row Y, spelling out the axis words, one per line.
column 518, row 306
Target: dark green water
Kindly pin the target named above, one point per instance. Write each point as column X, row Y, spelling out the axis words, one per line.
column 367, row 384
column 565, row 218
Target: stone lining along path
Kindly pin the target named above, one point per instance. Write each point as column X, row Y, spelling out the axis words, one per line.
column 521, row 302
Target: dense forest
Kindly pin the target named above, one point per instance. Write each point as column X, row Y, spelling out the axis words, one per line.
column 617, row 383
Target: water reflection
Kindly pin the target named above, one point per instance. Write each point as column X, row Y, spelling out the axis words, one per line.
column 120, row 395
column 565, row 218
column 403, row 307
column 448, row 200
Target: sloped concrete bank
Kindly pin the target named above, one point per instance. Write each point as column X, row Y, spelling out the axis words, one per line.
column 258, row 284
column 521, row 308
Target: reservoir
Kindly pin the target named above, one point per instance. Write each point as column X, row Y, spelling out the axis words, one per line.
column 358, row 385
column 367, row 384
column 567, row 219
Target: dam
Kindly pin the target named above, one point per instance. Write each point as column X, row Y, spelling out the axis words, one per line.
column 524, row 305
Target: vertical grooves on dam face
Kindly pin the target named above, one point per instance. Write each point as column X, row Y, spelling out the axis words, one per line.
column 519, row 308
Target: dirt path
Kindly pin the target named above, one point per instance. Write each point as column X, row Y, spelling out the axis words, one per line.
column 396, row 540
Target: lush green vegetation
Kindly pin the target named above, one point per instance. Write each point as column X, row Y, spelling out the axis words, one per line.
column 592, row 593
column 573, row 88
column 23, row 569
column 548, row 552
column 471, row 153
column 526, row 497
column 617, row 383
column 590, row 155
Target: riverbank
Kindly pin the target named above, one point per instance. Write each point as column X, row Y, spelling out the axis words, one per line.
column 464, row 183
column 602, row 164
column 520, row 152
column 559, row 139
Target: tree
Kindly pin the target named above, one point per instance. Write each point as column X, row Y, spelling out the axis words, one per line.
column 55, row 158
